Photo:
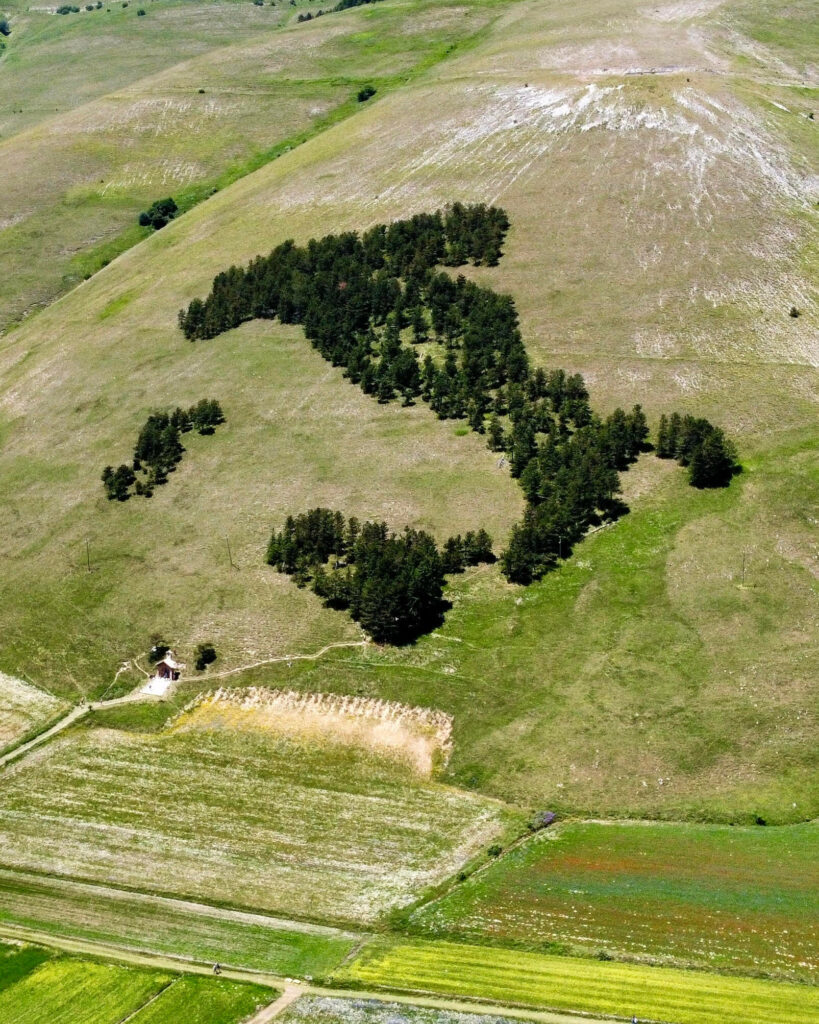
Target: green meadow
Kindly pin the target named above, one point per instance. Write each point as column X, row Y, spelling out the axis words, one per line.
column 716, row 897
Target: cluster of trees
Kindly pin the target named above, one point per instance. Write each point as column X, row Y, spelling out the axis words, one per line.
column 391, row 583
column 369, row 304
column 159, row 449
column 344, row 5
column 694, row 442
column 342, row 284
column 159, row 212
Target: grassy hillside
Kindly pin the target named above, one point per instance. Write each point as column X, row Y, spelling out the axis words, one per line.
column 24, row 710
column 75, row 179
column 662, row 227
column 740, row 899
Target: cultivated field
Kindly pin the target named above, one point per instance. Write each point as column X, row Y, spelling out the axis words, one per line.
column 258, row 819
column 584, row 986
column 742, row 899
column 64, row 990
column 169, row 927
column 23, row 709
column 37, row 987
column 326, row 1010
column 651, row 655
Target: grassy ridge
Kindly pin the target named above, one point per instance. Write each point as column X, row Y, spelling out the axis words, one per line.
column 78, row 179
column 161, row 926
column 645, row 658
column 530, row 979
column 718, row 897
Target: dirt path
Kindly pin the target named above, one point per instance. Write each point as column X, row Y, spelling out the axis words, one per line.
column 285, row 986
column 281, row 658
column 266, row 1014
column 80, row 710
column 72, row 716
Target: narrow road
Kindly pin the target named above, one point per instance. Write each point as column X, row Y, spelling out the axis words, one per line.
column 267, row 1013
column 285, row 987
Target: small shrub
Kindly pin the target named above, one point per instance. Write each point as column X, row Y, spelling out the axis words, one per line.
column 201, row 92
column 794, row 312
column 141, row 12
column 541, row 820
column 365, row 93
column 157, row 651
column 205, row 655
column 495, row 850
column 158, row 214
column 5, row 28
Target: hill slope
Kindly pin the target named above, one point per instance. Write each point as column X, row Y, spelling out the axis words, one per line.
column 663, row 224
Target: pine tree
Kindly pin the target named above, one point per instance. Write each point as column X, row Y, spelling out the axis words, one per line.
column 663, row 448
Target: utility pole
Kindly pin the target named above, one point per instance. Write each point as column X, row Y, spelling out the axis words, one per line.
column 230, row 555
column 743, row 568
column 88, row 554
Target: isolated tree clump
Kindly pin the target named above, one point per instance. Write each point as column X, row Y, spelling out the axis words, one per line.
column 159, row 449
column 160, row 212
column 5, row 27
column 205, row 655
column 365, row 93
column 391, row 583
column 694, row 442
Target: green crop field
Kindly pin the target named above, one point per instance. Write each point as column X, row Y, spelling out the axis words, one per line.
column 722, row 898
column 63, row 990
column 53, row 989
column 16, row 961
column 156, row 925
column 204, row 1001
column 235, row 816
column 583, row 986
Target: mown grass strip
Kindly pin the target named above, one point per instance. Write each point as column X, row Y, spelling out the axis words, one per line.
column 584, row 986
column 153, row 924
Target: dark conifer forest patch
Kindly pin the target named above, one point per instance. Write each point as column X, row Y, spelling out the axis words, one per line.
column 404, row 329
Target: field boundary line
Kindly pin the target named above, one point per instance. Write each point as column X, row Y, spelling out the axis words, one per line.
column 148, row 1002
column 212, row 910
